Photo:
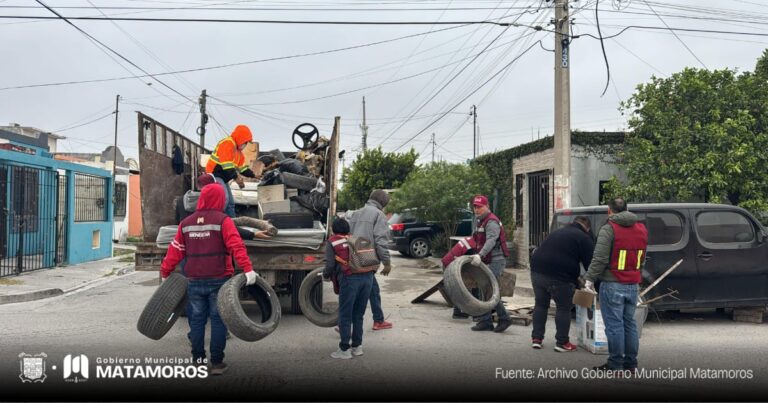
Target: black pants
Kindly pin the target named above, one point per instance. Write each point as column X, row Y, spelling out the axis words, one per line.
column 546, row 288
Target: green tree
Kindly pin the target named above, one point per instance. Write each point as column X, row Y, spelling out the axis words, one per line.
column 438, row 190
column 374, row 169
column 699, row 135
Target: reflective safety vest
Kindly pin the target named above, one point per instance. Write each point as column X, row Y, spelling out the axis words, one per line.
column 227, row 155
column 460, row 249
column 479, row 237
column 628, row 253
column 206, row 251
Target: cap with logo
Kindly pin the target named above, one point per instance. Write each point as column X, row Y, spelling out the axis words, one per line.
column 480, row 200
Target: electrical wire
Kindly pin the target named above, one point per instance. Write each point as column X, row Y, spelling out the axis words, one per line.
column 602, row 46
column 676, row 36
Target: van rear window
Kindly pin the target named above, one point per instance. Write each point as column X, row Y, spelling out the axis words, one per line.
column 724, row 227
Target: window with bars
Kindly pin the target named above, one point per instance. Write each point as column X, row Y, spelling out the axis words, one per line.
column 90, row 198
column 519, row 200
column 121, row 196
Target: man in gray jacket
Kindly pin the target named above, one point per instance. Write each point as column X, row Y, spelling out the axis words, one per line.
column 370, row 222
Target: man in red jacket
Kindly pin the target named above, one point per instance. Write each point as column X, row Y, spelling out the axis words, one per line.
column 207, row 239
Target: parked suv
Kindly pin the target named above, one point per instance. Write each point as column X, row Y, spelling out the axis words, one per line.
column 413, row 238
column 724, row 252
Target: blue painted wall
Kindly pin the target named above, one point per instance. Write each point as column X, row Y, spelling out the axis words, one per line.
column 79, row 235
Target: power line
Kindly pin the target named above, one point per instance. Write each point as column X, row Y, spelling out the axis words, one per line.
column 87, row 123
column 107, row 47
column 678, row 38
column 709, row 31
column 221, row 66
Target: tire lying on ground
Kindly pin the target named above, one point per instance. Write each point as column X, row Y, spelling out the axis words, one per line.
column 164, row 307
column 234, row 316
column 460, row 276
column 311, row 300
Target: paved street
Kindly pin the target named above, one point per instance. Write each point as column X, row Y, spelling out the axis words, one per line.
column 427, row 355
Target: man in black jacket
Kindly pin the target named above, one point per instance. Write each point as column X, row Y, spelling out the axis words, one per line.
column 554, row 274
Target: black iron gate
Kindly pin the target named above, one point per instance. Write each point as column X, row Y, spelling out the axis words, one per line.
column 28, row 218
column 538, row 208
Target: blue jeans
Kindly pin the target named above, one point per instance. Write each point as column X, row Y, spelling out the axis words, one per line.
column 355, row 290
column 497, row 267
column 202, row 305
column 229, row 207
column 378, row 314
column 617, row 303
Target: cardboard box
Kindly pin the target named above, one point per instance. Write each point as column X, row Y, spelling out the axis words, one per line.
column 591, row 329
column 280, row 206
column 271, row 193
column 583, row 298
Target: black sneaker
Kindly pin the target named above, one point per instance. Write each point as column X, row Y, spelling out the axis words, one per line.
column 219, row 369
column 603, row 368
column 483, row 326
column 460, row 315
column 502, row 326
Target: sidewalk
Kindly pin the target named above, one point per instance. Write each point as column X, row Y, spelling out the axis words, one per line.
column 46, row 283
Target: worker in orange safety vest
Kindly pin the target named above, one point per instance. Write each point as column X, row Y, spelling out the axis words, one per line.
column 228, row 163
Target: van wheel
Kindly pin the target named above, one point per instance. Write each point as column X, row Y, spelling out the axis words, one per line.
column 164, row 308
column 234, row 316
column 419, row 248
column 311, row 301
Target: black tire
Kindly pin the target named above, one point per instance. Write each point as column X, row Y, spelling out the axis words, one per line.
column 311, row 300
column 453, row 280
column 419, row 247
column 298, row 181
column 233, row 315
column 297, row 277
column 164, row 307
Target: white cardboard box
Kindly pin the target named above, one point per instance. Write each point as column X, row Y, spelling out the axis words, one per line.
column 271, row 193
column 280, row 206
column 591, row 329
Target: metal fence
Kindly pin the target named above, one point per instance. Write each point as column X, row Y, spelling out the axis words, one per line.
column 538, row 207
column 90, row 198
column 28, row 218
column 62, row 205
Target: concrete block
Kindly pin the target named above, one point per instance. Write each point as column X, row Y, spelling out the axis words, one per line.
column 271, row 193
column 749, row 315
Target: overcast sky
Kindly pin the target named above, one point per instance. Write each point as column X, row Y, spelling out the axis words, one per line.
column 428, row 73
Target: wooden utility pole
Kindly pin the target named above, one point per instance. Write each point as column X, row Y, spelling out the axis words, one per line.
column 364, row 128
column 203, row 119
column 114, row 150
column 562, row 189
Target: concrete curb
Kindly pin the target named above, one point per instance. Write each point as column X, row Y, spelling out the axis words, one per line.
column 56, row 292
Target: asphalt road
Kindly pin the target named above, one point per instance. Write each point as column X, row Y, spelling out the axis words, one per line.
column 426, row 356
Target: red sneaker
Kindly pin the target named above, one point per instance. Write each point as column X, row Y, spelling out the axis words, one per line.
column 382, row 325
column 536, row 343
column 564, row 348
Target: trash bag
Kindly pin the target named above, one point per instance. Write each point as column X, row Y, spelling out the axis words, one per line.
column 293, row 166
column 318, row 203
column 271, row 178
column 190, row 200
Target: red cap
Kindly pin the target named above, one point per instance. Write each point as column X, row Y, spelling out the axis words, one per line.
column 480, row 200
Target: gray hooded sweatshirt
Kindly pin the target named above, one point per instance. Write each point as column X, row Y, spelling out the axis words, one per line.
column 370, row 222
column 601, row 258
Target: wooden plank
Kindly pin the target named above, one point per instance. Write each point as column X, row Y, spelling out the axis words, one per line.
column 435, row 288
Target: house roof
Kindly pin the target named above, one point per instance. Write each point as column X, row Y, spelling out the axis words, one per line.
column 30, row 131
column 581, row 138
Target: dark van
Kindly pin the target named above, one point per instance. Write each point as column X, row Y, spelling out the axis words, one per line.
column 724, row 252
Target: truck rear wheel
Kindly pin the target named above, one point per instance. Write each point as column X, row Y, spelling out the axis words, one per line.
column 297, row 276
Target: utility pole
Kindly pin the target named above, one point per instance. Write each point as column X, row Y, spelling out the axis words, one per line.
column 364, row 127
column 433, row 147
column 562, row 171
column 203, row 119
column 114, row 150
column 474, row 131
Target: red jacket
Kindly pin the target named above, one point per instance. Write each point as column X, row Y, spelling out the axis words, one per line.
column 211, row 198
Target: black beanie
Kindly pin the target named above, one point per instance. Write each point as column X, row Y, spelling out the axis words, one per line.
column 380, row 196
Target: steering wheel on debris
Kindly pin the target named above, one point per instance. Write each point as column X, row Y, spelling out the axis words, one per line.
column 308, row 139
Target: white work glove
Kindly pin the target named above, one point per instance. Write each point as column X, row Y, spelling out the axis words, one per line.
column 476, row 260
column 590, row 286
column 250, row 277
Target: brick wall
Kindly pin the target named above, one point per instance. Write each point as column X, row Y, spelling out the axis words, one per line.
column 530, row 163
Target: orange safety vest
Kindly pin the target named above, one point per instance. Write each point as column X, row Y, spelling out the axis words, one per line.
column 227, row 153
